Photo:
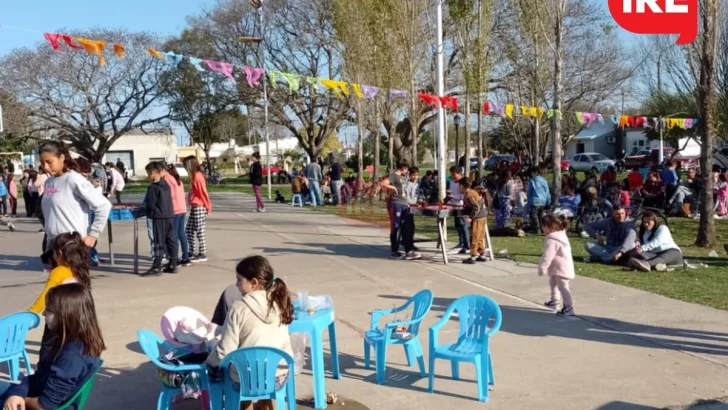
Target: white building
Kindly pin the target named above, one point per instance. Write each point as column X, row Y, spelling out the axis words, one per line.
column 136, row 149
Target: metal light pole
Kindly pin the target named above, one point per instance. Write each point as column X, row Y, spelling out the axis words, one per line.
column 258, row 5
column 440, row 110
column 457, row 120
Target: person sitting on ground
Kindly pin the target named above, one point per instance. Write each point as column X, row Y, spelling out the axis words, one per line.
column 260, row 318
column 539, row 198
column 568, row 203
column 653, row 191
column 618, row 197
column 685, row 193
column 615, row 238
column 70, row 311
column 657, row 249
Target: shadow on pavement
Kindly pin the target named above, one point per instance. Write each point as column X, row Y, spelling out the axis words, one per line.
column 542, row 323
column 21, row 263
column 351, row 250
column 620, row 405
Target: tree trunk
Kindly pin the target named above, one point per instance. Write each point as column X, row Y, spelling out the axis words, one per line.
column 467, row 133
column 413, row 125
column 556, row 120
column 360, row 141
column 377, row 143
column 706, row 107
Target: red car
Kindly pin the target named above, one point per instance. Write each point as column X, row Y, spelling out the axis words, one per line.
column 275, row 169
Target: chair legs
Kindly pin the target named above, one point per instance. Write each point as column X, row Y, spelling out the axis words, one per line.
column 380, row 350
column 483, row 372
column 413, row 351
column 367, row 355
column 491, row 378
column 14, row 367
column 482, row 379
column 26, row 359
column 455, row 368
column 431, row 382
column 166, row 396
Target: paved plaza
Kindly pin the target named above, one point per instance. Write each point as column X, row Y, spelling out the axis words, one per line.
column 627, row 349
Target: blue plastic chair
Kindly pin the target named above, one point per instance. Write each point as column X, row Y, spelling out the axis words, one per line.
column 13, row 332
column 150, row 344
column 256, row 368
column 380, row 338
column 472, row 346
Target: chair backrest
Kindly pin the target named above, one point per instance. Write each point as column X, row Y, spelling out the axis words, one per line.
column 81, row 396
column 173, row 316
column 256, row 368
column 150, row 343
column 422, row 302
column 475, row 313
column 14, row 330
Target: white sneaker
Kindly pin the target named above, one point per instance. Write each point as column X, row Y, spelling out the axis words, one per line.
column 660, row 267
column 412, row 255
column 261, row 210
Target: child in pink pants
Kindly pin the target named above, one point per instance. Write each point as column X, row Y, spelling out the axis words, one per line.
column 557, row 263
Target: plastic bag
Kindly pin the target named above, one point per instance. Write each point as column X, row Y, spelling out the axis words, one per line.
column 320, row 302
column 194, row 332
column 299, row 341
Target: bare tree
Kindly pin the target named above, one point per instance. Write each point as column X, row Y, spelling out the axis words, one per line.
column 71, row 96
column 14, row 117
column 298, row 39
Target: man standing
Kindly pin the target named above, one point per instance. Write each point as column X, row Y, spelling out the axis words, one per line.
column 618, row 240
column 399, row 213
column 256, row 179
column 336, row 182
column 315, row 176
column 456, row 198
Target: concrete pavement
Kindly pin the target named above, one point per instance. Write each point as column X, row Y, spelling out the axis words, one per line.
column 628, row 349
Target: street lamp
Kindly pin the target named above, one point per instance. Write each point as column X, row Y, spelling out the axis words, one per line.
column 260, row 56
column 457, row 121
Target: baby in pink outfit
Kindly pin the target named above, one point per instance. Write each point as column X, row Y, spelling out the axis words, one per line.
column 557, row 263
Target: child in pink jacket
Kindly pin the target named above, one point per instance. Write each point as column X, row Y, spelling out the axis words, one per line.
column 557, row 263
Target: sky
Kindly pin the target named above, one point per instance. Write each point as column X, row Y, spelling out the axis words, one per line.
column 163, row 17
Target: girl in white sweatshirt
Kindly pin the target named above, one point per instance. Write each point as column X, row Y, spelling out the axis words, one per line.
column 261, row 318
column 656, row 249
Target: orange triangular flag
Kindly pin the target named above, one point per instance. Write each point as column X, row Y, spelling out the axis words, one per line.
column 155, row 53
column 94, row 47
column 119, row 50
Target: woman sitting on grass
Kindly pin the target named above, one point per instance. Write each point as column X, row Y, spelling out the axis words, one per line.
column 71, row 312
column 656, row 248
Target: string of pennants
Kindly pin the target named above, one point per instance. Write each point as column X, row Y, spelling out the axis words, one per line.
column 254, row 76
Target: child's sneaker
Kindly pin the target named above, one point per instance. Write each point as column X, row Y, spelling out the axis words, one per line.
column 469, row 261
column 661, row 267
column 185, row 263
column 553, row 304
column 199, row 258
column 481, row 258
column 412, row 255
column 261, row 210
column 396, row 255
column 170, row 269
column 464, row 251
column 566, row 311
column 11, row 227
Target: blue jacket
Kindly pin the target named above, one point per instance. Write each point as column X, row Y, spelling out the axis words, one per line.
column 669, row 176
column 54, row 383
column 538, row 192
column 3, row 189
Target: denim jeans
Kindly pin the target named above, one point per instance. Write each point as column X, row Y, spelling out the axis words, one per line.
column 336, row 191
column 179, row 229
column 315, row 188
column 150, row 234
column 463, row 232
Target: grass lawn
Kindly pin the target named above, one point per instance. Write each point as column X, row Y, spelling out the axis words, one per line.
column 705, row 285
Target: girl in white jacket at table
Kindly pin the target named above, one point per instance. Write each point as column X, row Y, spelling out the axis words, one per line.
column 261, row 318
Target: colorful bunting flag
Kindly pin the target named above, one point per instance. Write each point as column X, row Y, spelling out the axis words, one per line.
column 119, row 50
column 156, row 53
column 370, row 92
column 53, row 38
column 220, row 67
column 509, row 111
column 339, row 87
column 172, row 58
column 402, row 94
column 197, row 63
column 94, row 47
column 293, row 80
column 357, row 90
column 253, row 75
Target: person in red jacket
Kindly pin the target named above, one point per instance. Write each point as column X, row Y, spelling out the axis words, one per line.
column 200, row 207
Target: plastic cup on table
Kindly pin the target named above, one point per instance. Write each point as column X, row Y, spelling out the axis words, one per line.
column 303, row 300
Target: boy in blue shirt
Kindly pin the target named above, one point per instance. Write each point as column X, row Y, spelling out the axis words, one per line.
column 539, row 198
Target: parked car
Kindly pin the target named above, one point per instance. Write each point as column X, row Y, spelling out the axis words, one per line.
column 590, row 161
column 491, row 163
column 275, row 169
column 181, row 170
column 650, row 158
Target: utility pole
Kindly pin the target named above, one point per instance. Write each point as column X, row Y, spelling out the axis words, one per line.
column 442, row 146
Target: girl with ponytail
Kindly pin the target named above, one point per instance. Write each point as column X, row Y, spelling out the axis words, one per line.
column 557, row 263
column 261, row 318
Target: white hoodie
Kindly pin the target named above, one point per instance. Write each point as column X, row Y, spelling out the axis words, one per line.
column 251, row 323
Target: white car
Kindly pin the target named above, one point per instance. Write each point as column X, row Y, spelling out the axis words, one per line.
column 181, row 170
column 590, row 161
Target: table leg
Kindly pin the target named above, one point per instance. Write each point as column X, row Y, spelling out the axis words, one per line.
column 111, row 242
column 136, row 246
column 441, row 238
column 334, row 352
column 317, row 368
